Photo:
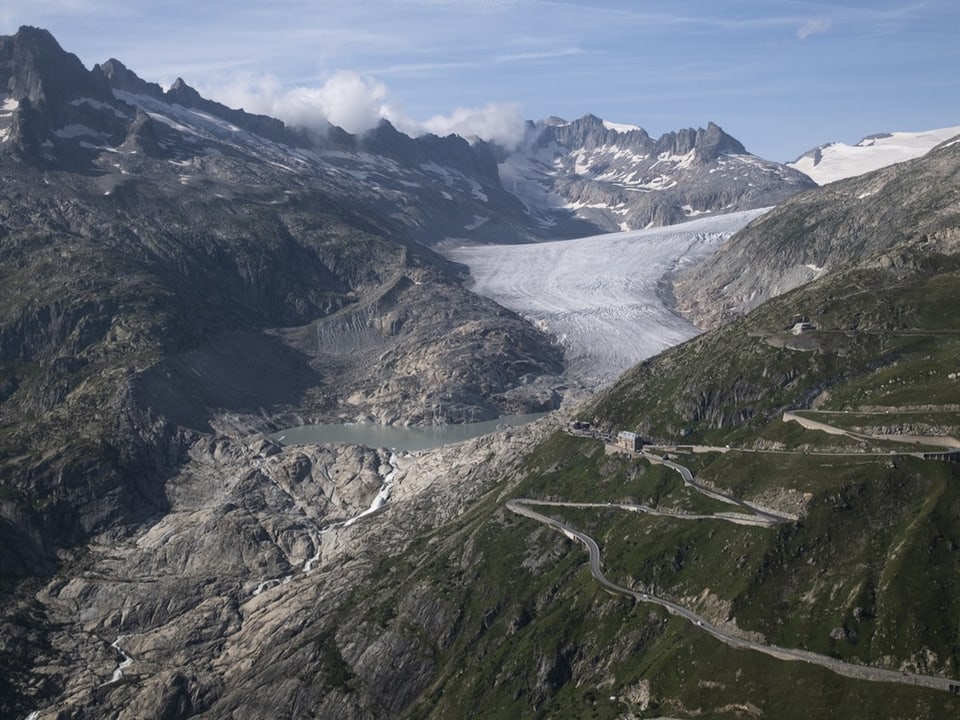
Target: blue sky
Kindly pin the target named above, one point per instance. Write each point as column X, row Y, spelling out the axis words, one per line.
column 780, row 75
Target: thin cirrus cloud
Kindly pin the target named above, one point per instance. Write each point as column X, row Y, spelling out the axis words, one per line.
column 502, row 59
column 815, row 26
column 782, row 75
column 538, row 55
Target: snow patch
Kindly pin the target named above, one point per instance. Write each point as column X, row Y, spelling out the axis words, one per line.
column 477, row 192
column 97, row 105
column 432, row 167
column 620, row 127
column 74, row 131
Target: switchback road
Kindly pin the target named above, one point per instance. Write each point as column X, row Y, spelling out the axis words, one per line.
column 763, row 517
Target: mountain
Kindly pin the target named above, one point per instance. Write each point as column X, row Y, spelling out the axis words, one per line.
column 167, row 270
column 163, row 254
column 836, row 161
column 619, row 178
column 876, row 215
column 797, row 573
column 179, row 277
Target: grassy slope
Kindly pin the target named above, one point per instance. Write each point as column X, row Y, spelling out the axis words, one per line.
column 886, row 337
column 868, row 574
column 538, row 638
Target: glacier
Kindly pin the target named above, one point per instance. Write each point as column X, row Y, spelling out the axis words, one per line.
column 600, row 296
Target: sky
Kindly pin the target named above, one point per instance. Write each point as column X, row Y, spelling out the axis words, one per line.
column 782, row 76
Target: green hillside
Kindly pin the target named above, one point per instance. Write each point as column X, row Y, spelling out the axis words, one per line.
column 866, row 574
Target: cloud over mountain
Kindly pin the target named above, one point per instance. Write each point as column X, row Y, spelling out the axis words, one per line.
column 499, row 122
column 357, row 102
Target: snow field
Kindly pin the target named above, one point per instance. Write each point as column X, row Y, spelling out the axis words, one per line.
column 839, row 161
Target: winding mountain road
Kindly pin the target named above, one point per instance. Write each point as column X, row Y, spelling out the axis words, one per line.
column 761, row 516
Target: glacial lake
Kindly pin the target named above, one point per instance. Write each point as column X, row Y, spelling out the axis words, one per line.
column 397, row 437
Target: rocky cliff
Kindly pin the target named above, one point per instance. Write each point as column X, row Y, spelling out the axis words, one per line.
column 619, row 178
column 873, row 218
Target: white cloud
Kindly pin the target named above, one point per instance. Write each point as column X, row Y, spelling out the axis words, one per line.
column 358, row 102
column 813, row 27
column 500, row 122
column 348, row 99
column 353, row 101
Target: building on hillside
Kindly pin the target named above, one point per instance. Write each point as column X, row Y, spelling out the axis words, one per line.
column 629, row 441
column 799, row 324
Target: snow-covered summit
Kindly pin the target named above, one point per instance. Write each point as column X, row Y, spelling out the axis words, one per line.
column 836, row 161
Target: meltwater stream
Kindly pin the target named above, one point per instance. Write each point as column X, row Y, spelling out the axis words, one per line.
column 398, row 439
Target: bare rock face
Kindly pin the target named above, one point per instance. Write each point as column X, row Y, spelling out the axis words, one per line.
column 867, row 219
column 34, row 66
column 52, row 90
column 157, row 277
column 263, row 589
column 617, row 177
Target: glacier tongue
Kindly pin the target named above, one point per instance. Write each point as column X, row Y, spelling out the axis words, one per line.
column 598, row 295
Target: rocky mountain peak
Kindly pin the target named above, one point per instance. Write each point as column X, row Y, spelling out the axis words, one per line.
column 183, row 94
column 714, row 142
column 180, row 93
column 51, row 90
column 587, row 132
column 475, row 160
column 591, row 132
column 121, row 78
column 619, row 178
column 707, row 144
column 34, row 67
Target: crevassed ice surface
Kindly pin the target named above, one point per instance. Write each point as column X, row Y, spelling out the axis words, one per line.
column 598, row 295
